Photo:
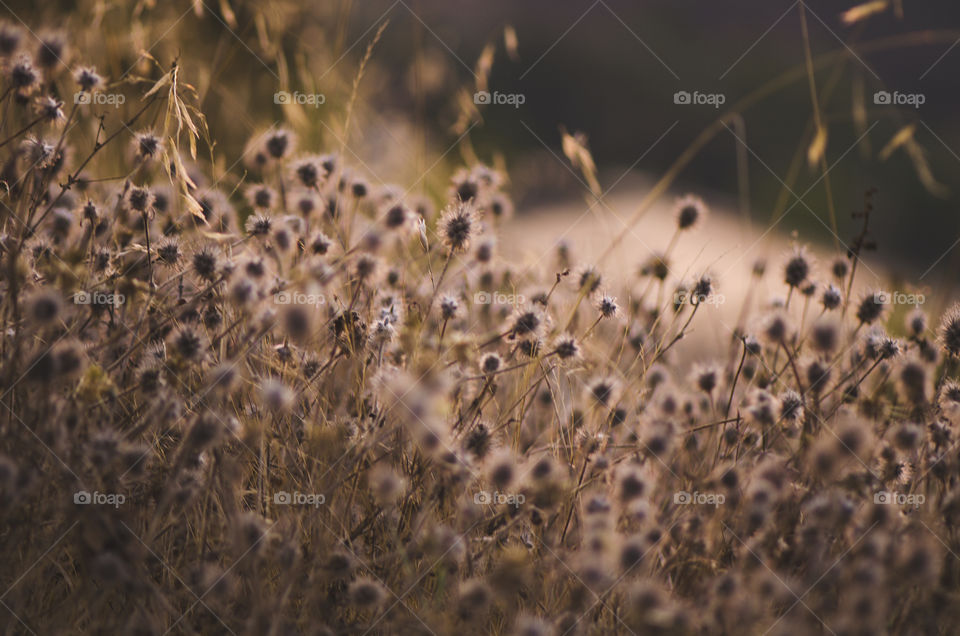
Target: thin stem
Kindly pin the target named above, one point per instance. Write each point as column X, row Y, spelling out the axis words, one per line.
column 736, row 377
column 21, row 131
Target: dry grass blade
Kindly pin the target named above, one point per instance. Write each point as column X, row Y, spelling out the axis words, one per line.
column 863, row 11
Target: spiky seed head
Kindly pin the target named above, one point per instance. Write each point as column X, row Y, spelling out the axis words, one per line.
column 607, row 306
column 566, row 347
column 366, row 267
column 500, row 207
column 914, row 379
column 147, row 145
column 485, row 251
column 382, row 333
column 797, row 268
column 632, row 552
column 526, row 322
column 490, row 363
column 10, row 38
column 706, row 378
column 320, row 244
column 457, row 226
column 631, row 484
column 396, row 217
column 188, row 343
column 872, row 307
column 775, row 327
column 655, row 266
column 61, row 222
column 278, row 143
column 283, row 238
column 759, row 268
column 817, row 375
column 309, row 171
column 50, row 109
column 502, row 469
column 603, row 391
column 878, row 345
column 825, row 336
column 473, row 598
column 261, row 197
column 852, row 437
column 702, row 289
column 530, row 347
column 764, row 408
column 465, row 188
column 140, row 199
column 22, row 74
column 916, row 322
column 277, row 397
column 449, row 306
column 366, row 592
column 259, row 225
column 832, row 297
column 44, row 307
column 52, row 50
column 907, row 436
column 840, row 268
column 588, row 279
column 689, row 212
column 950, row 331
column 205, row 263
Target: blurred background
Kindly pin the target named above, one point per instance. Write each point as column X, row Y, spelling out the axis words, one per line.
column 609, row 69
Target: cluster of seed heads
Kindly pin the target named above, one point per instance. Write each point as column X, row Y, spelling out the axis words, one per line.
column 317, row 426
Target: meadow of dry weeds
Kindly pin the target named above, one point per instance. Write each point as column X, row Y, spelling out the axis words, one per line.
column 278, row 397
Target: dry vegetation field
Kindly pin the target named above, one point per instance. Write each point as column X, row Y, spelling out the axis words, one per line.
column 275, row 395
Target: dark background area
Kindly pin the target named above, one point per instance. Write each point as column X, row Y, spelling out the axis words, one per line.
column 583, row 65
column 608, row 68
